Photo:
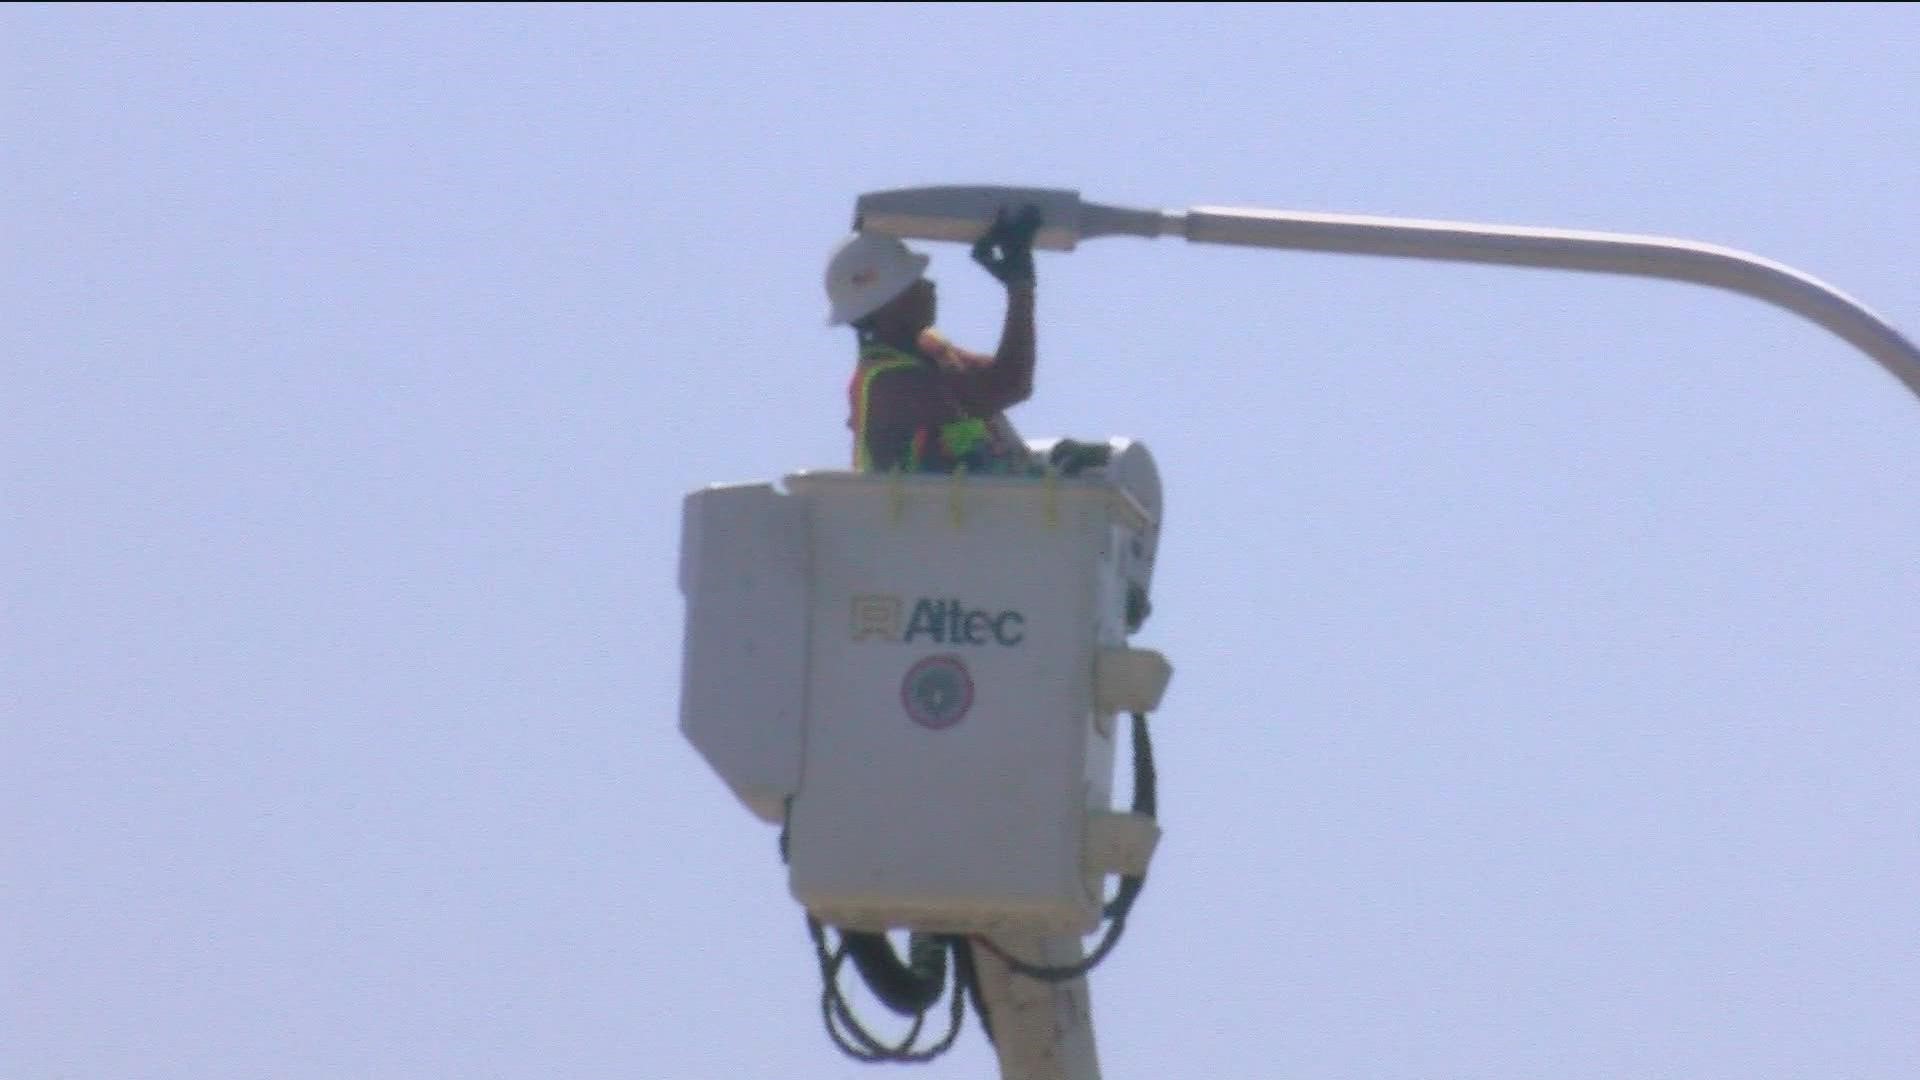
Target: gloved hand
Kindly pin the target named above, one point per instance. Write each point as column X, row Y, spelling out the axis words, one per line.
column 1006, row 248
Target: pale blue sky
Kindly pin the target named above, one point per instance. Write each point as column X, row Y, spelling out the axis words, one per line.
column 1545, row 644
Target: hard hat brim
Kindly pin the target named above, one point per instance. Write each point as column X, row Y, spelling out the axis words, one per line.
column 842, row 316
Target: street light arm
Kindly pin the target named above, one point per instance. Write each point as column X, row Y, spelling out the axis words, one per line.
column 961, row 213
column 1564, row 249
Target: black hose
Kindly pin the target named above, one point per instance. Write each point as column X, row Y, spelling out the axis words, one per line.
column 908, row 988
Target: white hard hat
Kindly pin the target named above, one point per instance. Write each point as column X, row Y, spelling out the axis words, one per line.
column 866, row 271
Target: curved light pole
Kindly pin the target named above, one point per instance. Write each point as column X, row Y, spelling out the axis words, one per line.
column 1045, row 1031
column 962, row 213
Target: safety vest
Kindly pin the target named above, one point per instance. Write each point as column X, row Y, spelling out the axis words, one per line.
column 938, row 449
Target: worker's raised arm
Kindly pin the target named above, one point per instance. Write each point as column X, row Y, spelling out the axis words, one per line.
column 1015, row 357
column 1006, row 250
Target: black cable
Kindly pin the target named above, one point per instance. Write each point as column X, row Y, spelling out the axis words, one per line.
column 1146, row 779
column 856, row 1041
column 834, row 1008
column 965, row 972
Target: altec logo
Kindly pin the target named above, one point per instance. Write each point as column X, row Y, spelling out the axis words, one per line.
column 939, row 622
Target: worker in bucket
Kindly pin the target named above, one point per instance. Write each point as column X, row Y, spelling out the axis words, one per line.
column 917, row 402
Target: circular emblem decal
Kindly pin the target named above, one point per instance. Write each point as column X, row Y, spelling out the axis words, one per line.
column 937, row 692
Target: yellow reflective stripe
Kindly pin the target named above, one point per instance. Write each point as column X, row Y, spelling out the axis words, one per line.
column 862, row 459
column 960, row 437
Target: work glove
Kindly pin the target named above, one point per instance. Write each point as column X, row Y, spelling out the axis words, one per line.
column 1006, row 248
